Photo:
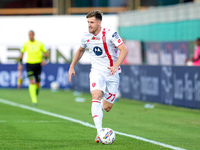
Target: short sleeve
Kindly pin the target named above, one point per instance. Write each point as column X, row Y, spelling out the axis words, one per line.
column 23, row 48
column 83, row 42
column 43, row 48
column 116, row 39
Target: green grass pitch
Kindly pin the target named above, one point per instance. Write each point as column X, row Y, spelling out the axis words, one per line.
column 22, row 129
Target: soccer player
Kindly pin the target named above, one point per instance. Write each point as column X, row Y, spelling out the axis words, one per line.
column 35, row 50
column 103, row 45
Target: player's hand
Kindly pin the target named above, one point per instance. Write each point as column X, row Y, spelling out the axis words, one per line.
column 43, row 63
column 112, row 70
column 71, row 72
column 20, row 67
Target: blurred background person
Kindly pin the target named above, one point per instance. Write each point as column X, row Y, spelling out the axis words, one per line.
column 196, row 58
column 35, row 50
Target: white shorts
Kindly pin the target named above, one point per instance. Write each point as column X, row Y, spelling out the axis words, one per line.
column 106, row 83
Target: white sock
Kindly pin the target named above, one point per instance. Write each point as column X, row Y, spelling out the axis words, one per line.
column 102, row 104
column 97, row 114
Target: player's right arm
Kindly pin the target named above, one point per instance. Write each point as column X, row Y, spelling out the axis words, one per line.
column 77, row 57
column 20, row 66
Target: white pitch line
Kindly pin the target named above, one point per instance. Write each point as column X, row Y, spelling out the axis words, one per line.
column 27, row 121
column 85, row 123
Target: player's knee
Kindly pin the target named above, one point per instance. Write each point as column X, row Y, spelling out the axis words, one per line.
column 96, row 96
column 107, row 109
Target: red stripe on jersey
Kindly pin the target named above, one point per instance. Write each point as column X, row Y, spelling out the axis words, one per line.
column 96, row 101
column 106, row 48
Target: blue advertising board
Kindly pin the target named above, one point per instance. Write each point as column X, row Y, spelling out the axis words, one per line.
column 50, row 73
column 172, row 85
column 140, row 82
column 81, row 80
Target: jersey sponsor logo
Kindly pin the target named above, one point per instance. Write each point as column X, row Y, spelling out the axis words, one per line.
column 97, row 50
column 95, row 38
column 115, row 35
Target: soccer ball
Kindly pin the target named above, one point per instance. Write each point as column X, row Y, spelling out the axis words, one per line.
column 106, row 136
column 54, row 86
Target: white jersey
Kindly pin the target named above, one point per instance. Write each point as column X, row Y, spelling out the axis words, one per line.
column 102, row 48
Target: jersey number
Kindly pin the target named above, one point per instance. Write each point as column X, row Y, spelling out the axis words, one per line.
column 112, row 96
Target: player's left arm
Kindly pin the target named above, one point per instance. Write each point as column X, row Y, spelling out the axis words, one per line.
column 46, row 55
column 122, row 56
column 20, row 66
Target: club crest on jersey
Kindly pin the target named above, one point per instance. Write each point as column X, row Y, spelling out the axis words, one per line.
column 93, row 84
column 97, row 50
column 115, row 35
